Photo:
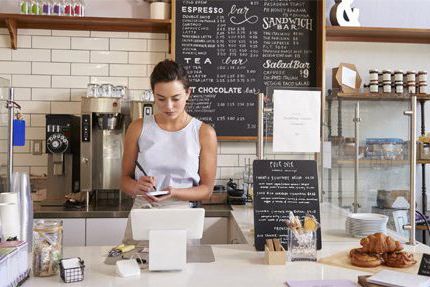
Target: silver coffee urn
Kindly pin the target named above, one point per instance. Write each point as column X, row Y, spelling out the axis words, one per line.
column 103, row 125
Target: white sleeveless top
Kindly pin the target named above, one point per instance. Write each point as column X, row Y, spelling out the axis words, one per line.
column 171, row 157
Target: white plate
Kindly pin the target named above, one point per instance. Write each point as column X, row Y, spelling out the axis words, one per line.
column 367, row 217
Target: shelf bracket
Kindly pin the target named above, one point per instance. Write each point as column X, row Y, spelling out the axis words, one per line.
column 11, row 26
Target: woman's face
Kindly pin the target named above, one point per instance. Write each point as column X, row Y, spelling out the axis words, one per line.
column 170, row 98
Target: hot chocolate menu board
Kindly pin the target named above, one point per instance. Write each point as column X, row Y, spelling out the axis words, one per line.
column 233, row 50
column 281, row 186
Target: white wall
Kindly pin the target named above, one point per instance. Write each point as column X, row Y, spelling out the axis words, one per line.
column 390, row 13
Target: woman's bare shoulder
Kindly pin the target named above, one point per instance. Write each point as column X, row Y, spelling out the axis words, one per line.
column 207, row 134
column 135, row 128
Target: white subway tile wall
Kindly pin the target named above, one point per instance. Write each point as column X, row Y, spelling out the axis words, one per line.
column 51, row 69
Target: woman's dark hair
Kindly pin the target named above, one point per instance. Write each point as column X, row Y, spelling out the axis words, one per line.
column 167, row 71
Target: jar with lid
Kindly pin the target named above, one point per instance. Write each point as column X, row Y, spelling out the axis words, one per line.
column 386, row 76
column 386, row 88
column 399, row 87
column 374, row 86
column 47, row 247
column 398, row 76
column 373, row 75
column 422, row 76
column 423, row 88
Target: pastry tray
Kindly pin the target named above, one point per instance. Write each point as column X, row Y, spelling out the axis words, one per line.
column 342, row 259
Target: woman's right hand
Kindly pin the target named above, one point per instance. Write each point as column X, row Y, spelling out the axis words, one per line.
column 144, row 185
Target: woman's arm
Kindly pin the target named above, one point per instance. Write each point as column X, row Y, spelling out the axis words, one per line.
column 207, row 169
column 129, row 184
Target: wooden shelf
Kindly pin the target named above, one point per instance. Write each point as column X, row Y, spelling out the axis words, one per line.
column 376, row 34
column 367, row 96
column 18, row 21
column 421, row 227
column 371, row 162
column 423, row 161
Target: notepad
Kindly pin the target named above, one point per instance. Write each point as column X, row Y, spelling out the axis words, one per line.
column 399, row 279
column 320, row 283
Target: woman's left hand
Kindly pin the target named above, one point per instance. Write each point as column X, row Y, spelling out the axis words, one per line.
column 171, row 191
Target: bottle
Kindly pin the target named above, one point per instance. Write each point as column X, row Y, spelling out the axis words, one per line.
column 79, row 8
column 47, row 7
column 25, row 6
column 58, row 8
column 35, row 7
column 68, row 8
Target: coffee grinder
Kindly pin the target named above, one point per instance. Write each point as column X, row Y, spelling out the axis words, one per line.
column 62, row 147
column 103, row 125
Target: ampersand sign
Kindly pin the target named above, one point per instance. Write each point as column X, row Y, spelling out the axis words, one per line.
column 342, row 14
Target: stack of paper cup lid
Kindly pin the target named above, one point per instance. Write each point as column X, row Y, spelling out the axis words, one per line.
column 364, row 224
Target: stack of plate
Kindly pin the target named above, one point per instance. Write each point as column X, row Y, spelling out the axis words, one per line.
column 364, row 224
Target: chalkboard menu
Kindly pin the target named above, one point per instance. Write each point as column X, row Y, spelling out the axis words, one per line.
column 281, row 186
column 233, row 50
column 425, row 265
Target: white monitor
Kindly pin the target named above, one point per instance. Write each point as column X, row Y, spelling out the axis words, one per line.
column 145, row 220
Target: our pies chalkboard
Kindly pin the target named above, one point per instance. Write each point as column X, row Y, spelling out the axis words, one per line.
column 281, row 186
column 233, row 50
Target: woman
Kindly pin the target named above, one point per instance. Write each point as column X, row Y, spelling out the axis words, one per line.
column 177, row 151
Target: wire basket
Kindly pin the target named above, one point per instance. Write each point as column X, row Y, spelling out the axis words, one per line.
column 75, row 274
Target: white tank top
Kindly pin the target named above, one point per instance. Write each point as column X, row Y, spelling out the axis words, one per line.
column 171, row 157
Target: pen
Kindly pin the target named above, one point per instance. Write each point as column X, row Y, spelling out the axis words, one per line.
column 142, row 170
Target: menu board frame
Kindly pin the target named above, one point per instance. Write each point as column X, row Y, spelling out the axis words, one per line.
column 276, row 183
column 320, row 26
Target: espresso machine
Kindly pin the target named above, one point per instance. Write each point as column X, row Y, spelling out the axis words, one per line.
column 63, row 148
column 103, row 125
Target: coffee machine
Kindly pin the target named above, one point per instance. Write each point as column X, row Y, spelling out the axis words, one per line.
column 63, row 148
column 103, row 124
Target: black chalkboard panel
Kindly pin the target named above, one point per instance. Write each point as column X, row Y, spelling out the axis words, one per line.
column 233, row 50
column 425, row 265
column 281, row 186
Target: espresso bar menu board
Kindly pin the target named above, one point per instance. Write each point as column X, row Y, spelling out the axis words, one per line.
column 233, row 50
column 281, row 186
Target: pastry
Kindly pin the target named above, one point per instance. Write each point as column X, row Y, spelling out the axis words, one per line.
column 363, row 259
column 310, row 223
column 380, row 243
column 399, row 259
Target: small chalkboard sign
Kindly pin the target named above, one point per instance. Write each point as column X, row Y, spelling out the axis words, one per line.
column 425, row 265
column 281, row 186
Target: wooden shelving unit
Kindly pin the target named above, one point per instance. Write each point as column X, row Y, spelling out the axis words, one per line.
column 377, row 34
column 367, row 96
column 13, row 22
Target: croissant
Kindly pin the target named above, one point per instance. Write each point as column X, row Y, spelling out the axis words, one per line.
column 379, row 243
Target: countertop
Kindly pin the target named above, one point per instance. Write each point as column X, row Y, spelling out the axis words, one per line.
column 235, row 265
column 106, row 209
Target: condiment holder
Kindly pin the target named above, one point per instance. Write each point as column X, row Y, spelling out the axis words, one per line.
column 274, row 252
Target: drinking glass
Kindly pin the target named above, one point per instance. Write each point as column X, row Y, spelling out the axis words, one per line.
column 92, row 91
column 106, row 90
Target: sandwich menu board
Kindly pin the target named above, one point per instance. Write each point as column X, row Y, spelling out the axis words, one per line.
column 233, row 50
column 281, row 186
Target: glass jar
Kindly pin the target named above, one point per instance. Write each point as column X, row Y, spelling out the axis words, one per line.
column 47, row 247
column 373, row 75
column 374, row 86
column 302, row 246
column 422, row 76
column 386, row 76
column 398, row 76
